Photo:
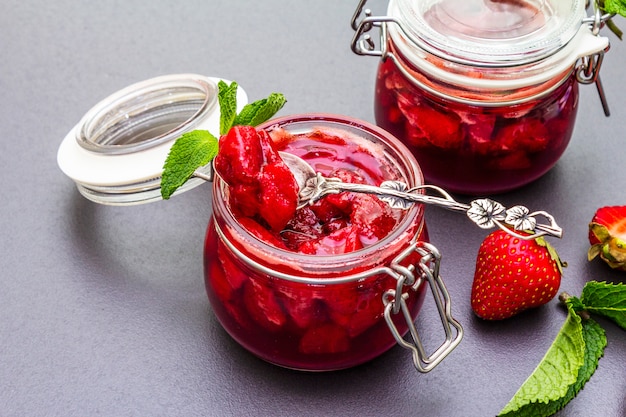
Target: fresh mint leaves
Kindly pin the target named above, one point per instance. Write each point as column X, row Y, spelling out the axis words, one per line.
column 227, row 97
column 612, row 7
column 573, row 357
column 254, row 114
column 198, row 148
column 606, row 300
column 191, row 151
column 556, row 372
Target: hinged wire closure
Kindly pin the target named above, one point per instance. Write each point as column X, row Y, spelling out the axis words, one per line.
column 586, row 69
column 412, row 277
column 409, row 279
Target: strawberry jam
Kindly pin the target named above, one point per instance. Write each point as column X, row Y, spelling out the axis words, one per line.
column 305, row 290
column 476, row 149
column 483, row 92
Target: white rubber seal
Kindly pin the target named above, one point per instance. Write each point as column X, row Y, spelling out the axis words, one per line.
column 132, row 177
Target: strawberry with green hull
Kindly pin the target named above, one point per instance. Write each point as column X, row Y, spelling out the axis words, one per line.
column 513, row 275
column 607, row 235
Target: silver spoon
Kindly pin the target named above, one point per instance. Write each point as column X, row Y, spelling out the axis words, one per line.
column 486, row 213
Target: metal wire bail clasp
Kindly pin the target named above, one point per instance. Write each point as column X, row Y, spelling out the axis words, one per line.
column 412, row 277
column 588, row 70
column 362, row 43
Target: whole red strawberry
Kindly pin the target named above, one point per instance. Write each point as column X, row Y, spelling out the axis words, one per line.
column 513, row 275
column 607, row 235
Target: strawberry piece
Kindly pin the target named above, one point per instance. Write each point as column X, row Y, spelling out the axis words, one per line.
column 442, row 130
column 218, row 282
column 479, row 128
column 513, row 275
column 356, row 309
column 232, row 272
column 278, row 197
column 373, row 218
column 528, row 134
column 261, row 233
column 607, row 236
column 304, row 227
column 510, row 161
column 240, row 155
column 243, row 199
column 302, row 305
column 344, row 240
column 263, row 306
column 326, row 209
column 225, row 279
column 325, row 339
column 261, row 184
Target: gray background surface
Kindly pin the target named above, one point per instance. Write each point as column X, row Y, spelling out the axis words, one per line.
column 103, row 310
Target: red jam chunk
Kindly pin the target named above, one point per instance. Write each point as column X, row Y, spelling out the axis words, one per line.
column 261, row 185
column 471, row 149
column 265, row 194
column 295, row 324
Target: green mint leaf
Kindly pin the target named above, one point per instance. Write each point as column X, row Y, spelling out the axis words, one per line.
column 253, row 114
column 190, row 151
column 595, row 342
column 557, row 371
column 227, row 97
column 614, row 7
column 606, row 299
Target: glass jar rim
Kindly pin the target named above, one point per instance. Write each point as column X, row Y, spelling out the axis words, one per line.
column 453, row 30
column 317, row 268
column 133, row 119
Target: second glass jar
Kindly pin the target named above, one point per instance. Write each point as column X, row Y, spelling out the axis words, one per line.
column 484, row 93
column 473, row 149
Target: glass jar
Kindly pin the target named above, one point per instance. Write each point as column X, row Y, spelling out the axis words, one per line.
column 306, row 312
column 483, row 92
column 327, row 312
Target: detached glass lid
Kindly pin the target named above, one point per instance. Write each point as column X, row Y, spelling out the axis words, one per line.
column 490, row 32
column 115, row 154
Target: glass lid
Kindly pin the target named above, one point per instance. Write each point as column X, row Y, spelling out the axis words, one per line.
column 490, row 32
column 115, row 154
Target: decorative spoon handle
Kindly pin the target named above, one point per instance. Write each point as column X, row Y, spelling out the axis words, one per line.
column 486, row 213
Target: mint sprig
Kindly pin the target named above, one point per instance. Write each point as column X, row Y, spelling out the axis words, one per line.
column 612, row 7
column 574, row 355
column 191, row 151
column 556, row 372
column 254, row 114
column 227, row 97
column 606, row 300
column 197, row 148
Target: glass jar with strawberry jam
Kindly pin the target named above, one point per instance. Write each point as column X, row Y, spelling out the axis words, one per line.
column 344, row 279
column 483, row 92
column 324, row 287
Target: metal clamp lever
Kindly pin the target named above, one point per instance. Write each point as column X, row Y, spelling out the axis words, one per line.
column 588, row 71
column 395, row 302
